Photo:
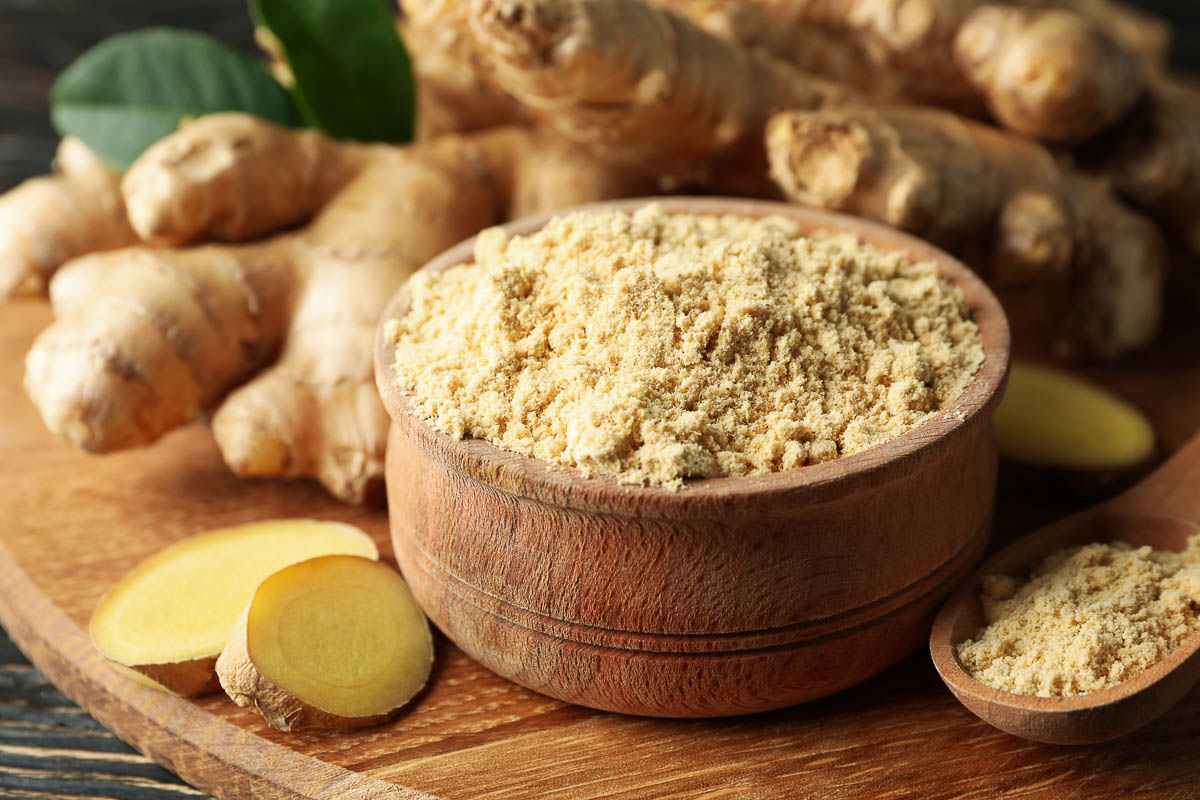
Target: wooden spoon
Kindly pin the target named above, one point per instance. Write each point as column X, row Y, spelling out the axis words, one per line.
column 1161, row 511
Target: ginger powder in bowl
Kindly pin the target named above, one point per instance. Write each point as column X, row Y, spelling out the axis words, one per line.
column 552, row 385
column 656, row 347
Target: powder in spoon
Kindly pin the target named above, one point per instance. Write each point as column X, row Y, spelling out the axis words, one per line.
column 655, row 347
column 1087, row 618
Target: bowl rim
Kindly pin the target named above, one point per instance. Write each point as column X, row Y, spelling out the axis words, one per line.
column 562, row 485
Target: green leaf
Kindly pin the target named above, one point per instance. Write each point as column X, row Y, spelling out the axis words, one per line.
column 353, row 77
column 130, row 90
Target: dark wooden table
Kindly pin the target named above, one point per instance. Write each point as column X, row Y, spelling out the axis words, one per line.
column 49, row 747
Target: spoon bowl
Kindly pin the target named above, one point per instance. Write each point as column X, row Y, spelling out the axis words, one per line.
column 1160, row 512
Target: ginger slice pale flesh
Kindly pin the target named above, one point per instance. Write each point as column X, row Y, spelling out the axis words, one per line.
column 170, row 616
column 1049, row 418
column 332, row 642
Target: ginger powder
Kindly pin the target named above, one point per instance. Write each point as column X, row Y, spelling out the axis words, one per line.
column 1086, row 619
column 655, row 347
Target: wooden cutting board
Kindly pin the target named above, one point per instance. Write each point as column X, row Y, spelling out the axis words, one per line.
column 73, row 524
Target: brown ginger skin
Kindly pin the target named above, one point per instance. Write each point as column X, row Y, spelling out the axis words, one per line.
column 249, row 688
column 642, row 86
column 1137, row 31
column 1154, row 159
column 910, row 38
column 780, row 30
column 226, row 182
column 149, row 338
column 186, row 678
column 455, row 91
column 50, row 219
column 357, row 662
column 1047, row 73
column 998, row 199
column 146, row 339
column 681, row 85
column 1112, row 303
column 1086, row 52
column 934, row 174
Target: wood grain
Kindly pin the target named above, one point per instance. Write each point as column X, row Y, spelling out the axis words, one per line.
column 74, row 523
column 50, row 747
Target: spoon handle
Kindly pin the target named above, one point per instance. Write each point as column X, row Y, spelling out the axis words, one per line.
column 1172, row 490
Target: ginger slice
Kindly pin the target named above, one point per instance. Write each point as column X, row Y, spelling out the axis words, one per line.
column 332, row 642
column 1083, row 435
column 170, row 617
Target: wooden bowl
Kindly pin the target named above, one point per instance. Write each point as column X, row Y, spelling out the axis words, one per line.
column 732, row 595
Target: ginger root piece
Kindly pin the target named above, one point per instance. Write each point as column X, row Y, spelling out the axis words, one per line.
column 642, row 86
column 1049, row 74
column 1057, row 427
column 956, row 183
column 48, row 220
column 146, row 339
column 999, row 200
column 233, row 180
column 1023, row 58
column 1112, row 303
column 150, row 338
column 452, row 97
column 780, row 30
column 171, row 615
column 454, row 90
column 332, row 642
column 912, row 39
column 1137, row 31
column 1154, row 159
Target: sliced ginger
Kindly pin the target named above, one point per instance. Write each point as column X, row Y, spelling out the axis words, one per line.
column 169, row 618
column 332, row 642
column 1049, row 418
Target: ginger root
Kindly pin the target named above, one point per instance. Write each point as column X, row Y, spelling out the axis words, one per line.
column 172, row 614
column 332, row 642
column 956, row 183
column 1154, row 159
column 1060, row 70
column 1135, row 29
column 48, row 220
column 911, row 40
column 999, row 200
column 642, row 86
column 1047, row 73
column 233, row 180
column 454, row 92
column 1070, row 431
column 149, row 338
column 779, row 29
